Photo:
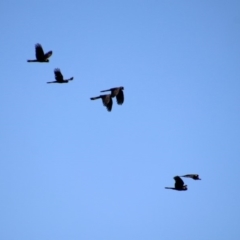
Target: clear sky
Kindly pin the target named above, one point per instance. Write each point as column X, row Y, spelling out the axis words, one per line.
column 70, row 170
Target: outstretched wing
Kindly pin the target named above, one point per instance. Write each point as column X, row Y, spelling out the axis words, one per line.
column 178, row 182
column 58, row 75
column 48, row 54
column 120, row 97
column 39, row 51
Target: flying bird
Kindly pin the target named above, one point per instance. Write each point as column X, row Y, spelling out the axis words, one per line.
column 193, row 176
column 106, row 100
column 118, row 93
column 40, row 55
column 179, row 184
column 59, row 77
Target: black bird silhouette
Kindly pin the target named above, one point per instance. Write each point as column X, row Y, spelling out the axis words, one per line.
column 106, row 100
column 118, row 93
column 193, row 176
column 40, row 56
column 59, row 77
column 179, row 184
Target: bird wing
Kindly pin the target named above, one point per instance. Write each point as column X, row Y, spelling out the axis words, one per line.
column 48, row 54
column 178, row 182
column 120, row 97
column 107, row 101
column 109, row 105
column 39, row 51
column 58, row 75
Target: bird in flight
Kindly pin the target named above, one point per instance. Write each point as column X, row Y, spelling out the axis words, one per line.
column 193, row 176
column 179, row 184
column 40, row 55
column 118, row 93
column 106, row 100
column 59, row 77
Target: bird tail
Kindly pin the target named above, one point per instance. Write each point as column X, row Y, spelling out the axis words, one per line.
column 94, row 98
column 70, row 79
column 106, row 90
column 169, row 188
column 31, row 60
column 52, row 82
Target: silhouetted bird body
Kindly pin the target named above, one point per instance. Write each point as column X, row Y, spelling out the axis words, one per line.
column 40, row 55
column 179, row 184
column 118, row 93
column 106, row 100
column 59, row 77
column 193, row 176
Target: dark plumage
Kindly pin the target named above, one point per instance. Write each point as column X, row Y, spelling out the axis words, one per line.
column 106, row 100
column 118, row 93
column 179, row 184
column 59, row 77
column 40, row 56
column 193, row 176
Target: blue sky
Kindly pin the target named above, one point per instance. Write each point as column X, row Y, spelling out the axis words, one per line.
column 71, row 170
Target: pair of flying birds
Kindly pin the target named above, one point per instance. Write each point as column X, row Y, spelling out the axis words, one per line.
column 44, row 57
column 179, row 184
column 106, row 99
